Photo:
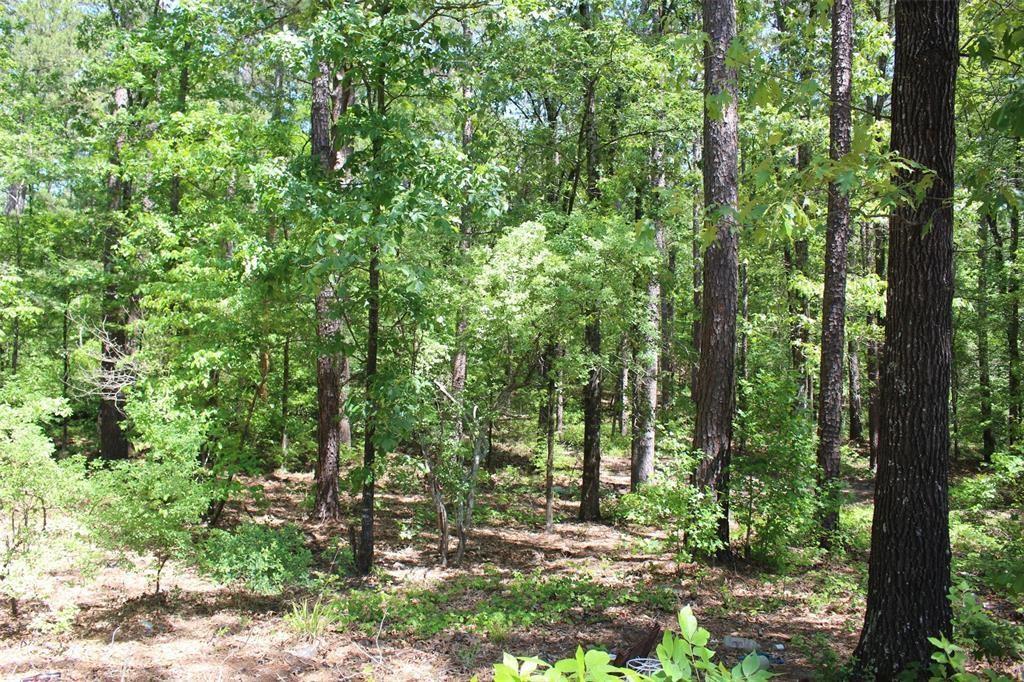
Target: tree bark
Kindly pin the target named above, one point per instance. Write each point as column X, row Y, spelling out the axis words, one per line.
column 590, row 489
column 833, row 313
column 988, row 439
column 853, row 396
column 908, row 575
column 328, row 383
column 716, row 379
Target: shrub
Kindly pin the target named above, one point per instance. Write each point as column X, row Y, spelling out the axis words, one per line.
column 774, row 469
column 264, row 559
column 669, row 501
column 32, row 485
column 154, row 504
column 985, row 635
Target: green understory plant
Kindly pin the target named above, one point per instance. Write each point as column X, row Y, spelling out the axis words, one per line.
column 684, row 657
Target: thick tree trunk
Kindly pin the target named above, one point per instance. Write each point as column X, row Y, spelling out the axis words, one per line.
column 988, row 439
column 908, row 576
column 590, row 490
column 715, row 377
column 833, row 314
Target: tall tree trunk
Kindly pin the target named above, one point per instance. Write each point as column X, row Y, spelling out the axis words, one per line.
column 646, row 410
column 328, row 382
column 286, row 378
column 908, row 575
column 590, row 490
column 365, row 546
column 698, row 287
column 1013, row 329
column 854, row 400
column 988, row 439
column 114, row 349
column 876, row 349
column 716, row 379
column 668, row 324
column 833, row 313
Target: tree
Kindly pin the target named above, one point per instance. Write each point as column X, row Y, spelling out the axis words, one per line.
column 833, row 312
column 908, row 577
column 716, row 379
column 328, row 377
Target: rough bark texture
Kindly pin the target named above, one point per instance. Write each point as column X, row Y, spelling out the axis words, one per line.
column 715, row 376
column 590, row 490
column 833, row 313
column 328, row 381
column 908, row 577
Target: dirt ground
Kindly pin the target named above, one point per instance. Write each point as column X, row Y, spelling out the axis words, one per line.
column 108, row 626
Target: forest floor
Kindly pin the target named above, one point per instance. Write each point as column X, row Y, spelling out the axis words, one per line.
column 520, row 590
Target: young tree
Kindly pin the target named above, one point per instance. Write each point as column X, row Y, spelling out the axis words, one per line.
column 833, row 313
column 909, row 578
column 716, row 379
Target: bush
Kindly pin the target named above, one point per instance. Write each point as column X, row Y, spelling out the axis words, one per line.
column 669, row 501
column 264, row 559
column 774, row 470
column 32, row 485
column 985, row 635
column 154, row 504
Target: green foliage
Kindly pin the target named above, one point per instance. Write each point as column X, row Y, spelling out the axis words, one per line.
column 684, row 657
column 312, row 619
column 153, row 504
column 984, row 634
column 33, row 487
column 670, row 501
column 264, row 559
column 950, row 663
column 777, row 511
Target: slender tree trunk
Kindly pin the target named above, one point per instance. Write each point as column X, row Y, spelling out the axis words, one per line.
column 833, row 314
column 328, row 383
column 880, row 247
column 364, row 557
column 908, row 575
column 698, row 287
column 1013, row 329
column 716, row 379
column 988, row 439
column 668, row 322
column 549, row 441
column 590, row 490
column 286, row 377
column 854, row 398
